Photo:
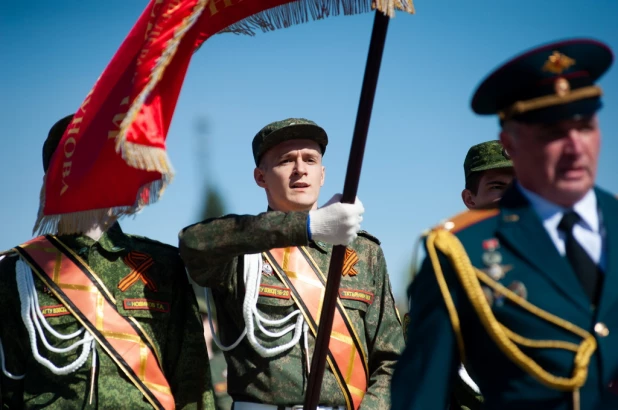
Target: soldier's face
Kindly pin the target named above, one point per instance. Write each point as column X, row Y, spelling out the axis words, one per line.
column 557, row 161
column 292, row 175
column 492, row 185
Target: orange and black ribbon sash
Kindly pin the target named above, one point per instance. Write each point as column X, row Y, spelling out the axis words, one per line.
column 83, row 293
column 296, row 268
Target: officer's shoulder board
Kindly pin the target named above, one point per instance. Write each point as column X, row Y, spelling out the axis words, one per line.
column 369, row 236
column 466, row 219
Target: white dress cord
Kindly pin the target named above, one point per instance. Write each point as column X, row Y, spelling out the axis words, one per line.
column 32, row 318
column 252, row 276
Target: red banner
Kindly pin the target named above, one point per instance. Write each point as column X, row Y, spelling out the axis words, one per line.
column 111, row 159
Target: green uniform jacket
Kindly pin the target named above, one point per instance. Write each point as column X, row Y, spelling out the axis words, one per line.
column 428, row 367
column 212, row 251
column 177, row 333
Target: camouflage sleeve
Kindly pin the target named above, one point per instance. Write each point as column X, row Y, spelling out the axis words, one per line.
column 186, row 362
column 208, row 247
column 385, row 338
column 426, row 372
column 12, row 334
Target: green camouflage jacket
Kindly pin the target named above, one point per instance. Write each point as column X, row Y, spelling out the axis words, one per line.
column 212, row 251
column 176, row 331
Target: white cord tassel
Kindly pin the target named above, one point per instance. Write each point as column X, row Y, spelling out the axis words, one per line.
column 212, row 327
column 252, row 276
column 30, row 312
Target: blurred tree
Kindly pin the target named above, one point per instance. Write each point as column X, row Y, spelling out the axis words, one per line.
column 213, row 204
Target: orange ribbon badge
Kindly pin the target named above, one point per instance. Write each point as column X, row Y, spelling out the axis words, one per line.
column 139, row 262
column 350, row 259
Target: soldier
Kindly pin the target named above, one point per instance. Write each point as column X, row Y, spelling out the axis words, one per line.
column 100, row 320
column 525, row 295
column 488, row 171
column 267, row 275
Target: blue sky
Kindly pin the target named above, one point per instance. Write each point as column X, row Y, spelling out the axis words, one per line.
column 422, row 126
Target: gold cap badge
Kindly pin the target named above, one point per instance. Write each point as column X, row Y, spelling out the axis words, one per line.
column 557, row 63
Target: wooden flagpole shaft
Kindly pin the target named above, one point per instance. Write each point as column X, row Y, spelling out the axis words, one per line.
column 352, row 177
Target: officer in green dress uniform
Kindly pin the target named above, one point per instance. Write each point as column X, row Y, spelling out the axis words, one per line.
column 267, row 273
column 525, row 295
column 144, row 348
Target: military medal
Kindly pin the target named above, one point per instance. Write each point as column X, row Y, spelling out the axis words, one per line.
column 267, row 270
column 519, row 289
column 495, row 271
column 492, row 258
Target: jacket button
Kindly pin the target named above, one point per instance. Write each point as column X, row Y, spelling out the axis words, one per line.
column 601, row 329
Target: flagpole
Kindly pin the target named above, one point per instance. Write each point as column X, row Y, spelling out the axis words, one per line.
column 350, row 188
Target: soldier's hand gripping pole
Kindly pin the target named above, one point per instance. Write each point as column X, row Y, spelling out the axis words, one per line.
column 355, row 163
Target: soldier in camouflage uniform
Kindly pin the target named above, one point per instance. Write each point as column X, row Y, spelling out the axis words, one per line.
column 145, row 286
column 489, row 171
column 274, row 370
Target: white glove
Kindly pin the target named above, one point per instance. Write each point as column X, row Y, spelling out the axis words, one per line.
column 336, row 223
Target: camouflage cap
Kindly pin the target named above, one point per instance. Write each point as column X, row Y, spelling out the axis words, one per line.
column 486, row 155
column 53, row 139
column 284, row 130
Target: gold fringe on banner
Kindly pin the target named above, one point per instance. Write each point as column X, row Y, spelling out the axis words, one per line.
column 302, row 11
column 83, row 221
column 140, row 156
